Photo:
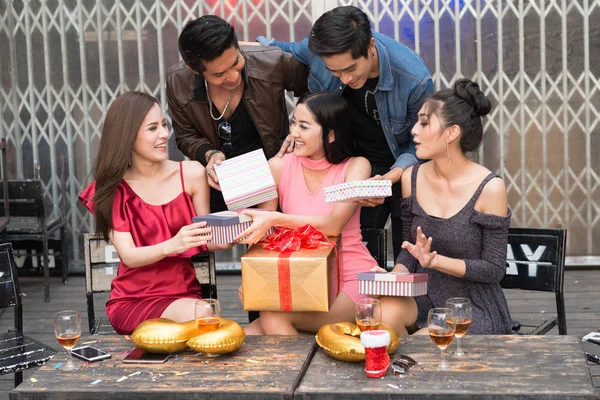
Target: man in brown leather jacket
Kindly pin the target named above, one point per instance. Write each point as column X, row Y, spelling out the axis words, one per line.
column 226, row 101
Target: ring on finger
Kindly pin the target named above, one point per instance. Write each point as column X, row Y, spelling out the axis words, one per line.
column 287, row 142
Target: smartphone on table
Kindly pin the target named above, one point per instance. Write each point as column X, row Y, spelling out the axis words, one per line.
column 90, row 354
column 138, row 355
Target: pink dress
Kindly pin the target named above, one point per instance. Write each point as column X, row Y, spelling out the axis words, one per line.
column 295, row 198
column 138, row 294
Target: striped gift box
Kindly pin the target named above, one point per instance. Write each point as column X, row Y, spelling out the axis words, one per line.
column 392, row 284
column 246, row 180
column 226, row 225
column 350, row 191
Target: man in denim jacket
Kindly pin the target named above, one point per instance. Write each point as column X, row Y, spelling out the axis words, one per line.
column 384, row 83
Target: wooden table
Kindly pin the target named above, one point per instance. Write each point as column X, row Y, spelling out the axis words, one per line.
column 264, row 367
column 507, row 367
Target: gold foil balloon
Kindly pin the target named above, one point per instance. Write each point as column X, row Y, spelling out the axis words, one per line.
column 228, row 337
column 342, row 341
column 161, row 335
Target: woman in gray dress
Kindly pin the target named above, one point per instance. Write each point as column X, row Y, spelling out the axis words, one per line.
column 455, row 217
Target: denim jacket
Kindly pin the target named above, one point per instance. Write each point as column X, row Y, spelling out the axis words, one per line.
column 404, row 81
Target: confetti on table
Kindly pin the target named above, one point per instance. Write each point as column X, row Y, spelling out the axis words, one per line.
column 181, row 373
column 33, row 380
column 90, row 342
column 127, row 337
column 121, row 379
column 135, row 373
column 96, row 382
column 57, row 366
column 253, row 361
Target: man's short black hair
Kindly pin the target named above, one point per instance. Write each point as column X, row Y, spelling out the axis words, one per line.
column 339, row 30
column 205, row 39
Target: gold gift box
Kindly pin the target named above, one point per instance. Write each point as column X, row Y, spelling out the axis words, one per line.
column 313, row 279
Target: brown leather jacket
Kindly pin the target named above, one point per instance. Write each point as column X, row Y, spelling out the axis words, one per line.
column 268, row 73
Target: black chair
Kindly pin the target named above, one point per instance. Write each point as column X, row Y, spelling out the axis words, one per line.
column 101, row 266
column 536, row 261
column 17, row 352
column 31, row 221
column 6, row 216
column 376, row 242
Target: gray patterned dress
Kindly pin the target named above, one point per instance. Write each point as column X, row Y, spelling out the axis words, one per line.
column 477, row 238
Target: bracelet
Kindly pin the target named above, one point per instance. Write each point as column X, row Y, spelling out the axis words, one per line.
column 211, row 153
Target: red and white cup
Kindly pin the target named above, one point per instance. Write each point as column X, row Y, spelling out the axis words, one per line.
column 377, row 362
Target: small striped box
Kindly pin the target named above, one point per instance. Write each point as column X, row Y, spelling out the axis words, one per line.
column 355, row 190
column 226, row 225
column 246, row 180
column 392, row 284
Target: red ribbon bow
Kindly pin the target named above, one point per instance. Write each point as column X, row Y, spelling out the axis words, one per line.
column 286, row 241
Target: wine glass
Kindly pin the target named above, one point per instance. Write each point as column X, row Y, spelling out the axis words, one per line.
column 207, row 313
column 461, row 307
column 67, row 328
column 368, row 314
column 440, row 322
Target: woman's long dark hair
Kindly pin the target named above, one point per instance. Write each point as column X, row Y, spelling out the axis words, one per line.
column 121, row 124
column 332, row 113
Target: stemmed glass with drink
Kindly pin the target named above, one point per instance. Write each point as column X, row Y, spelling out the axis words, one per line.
column 207, row 313
column 368, row 314
column 67, row 328
column 461, row 307
column 440, row 322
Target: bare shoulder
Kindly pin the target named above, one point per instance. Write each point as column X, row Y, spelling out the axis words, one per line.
column 405, row 182
column 192, row 169
column 276, row 163
column 493, row 198
column 358, row 168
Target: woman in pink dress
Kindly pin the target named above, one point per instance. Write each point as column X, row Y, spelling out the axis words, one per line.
column 321, row 158
column 144, row 203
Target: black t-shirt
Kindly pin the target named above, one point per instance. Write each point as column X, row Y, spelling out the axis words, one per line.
column 244, row 135
column 369, row 139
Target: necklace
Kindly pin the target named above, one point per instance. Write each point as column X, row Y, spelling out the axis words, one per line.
column 210, row 104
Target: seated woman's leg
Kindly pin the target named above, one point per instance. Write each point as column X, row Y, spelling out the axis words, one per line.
column 254, row 328
column 398, row 312
column 180, row 310
column 289, row 323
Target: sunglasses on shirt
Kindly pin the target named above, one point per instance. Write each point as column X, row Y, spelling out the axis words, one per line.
column 224, row 131
column 402, row 364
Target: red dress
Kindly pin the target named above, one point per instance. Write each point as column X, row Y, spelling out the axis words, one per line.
column 142, row 293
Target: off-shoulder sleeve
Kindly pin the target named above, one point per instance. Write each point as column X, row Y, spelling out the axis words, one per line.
column 491, row 267
column 405, row 258
column 86, row 197
column 120, row 212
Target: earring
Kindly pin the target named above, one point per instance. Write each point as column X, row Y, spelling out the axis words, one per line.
column 448, row 152
column 373, row 53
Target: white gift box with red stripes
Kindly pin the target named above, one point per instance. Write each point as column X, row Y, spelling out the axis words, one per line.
column 226, row 225
column 392, row 284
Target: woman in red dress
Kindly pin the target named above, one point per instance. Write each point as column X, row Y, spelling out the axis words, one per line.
column 144, row 203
